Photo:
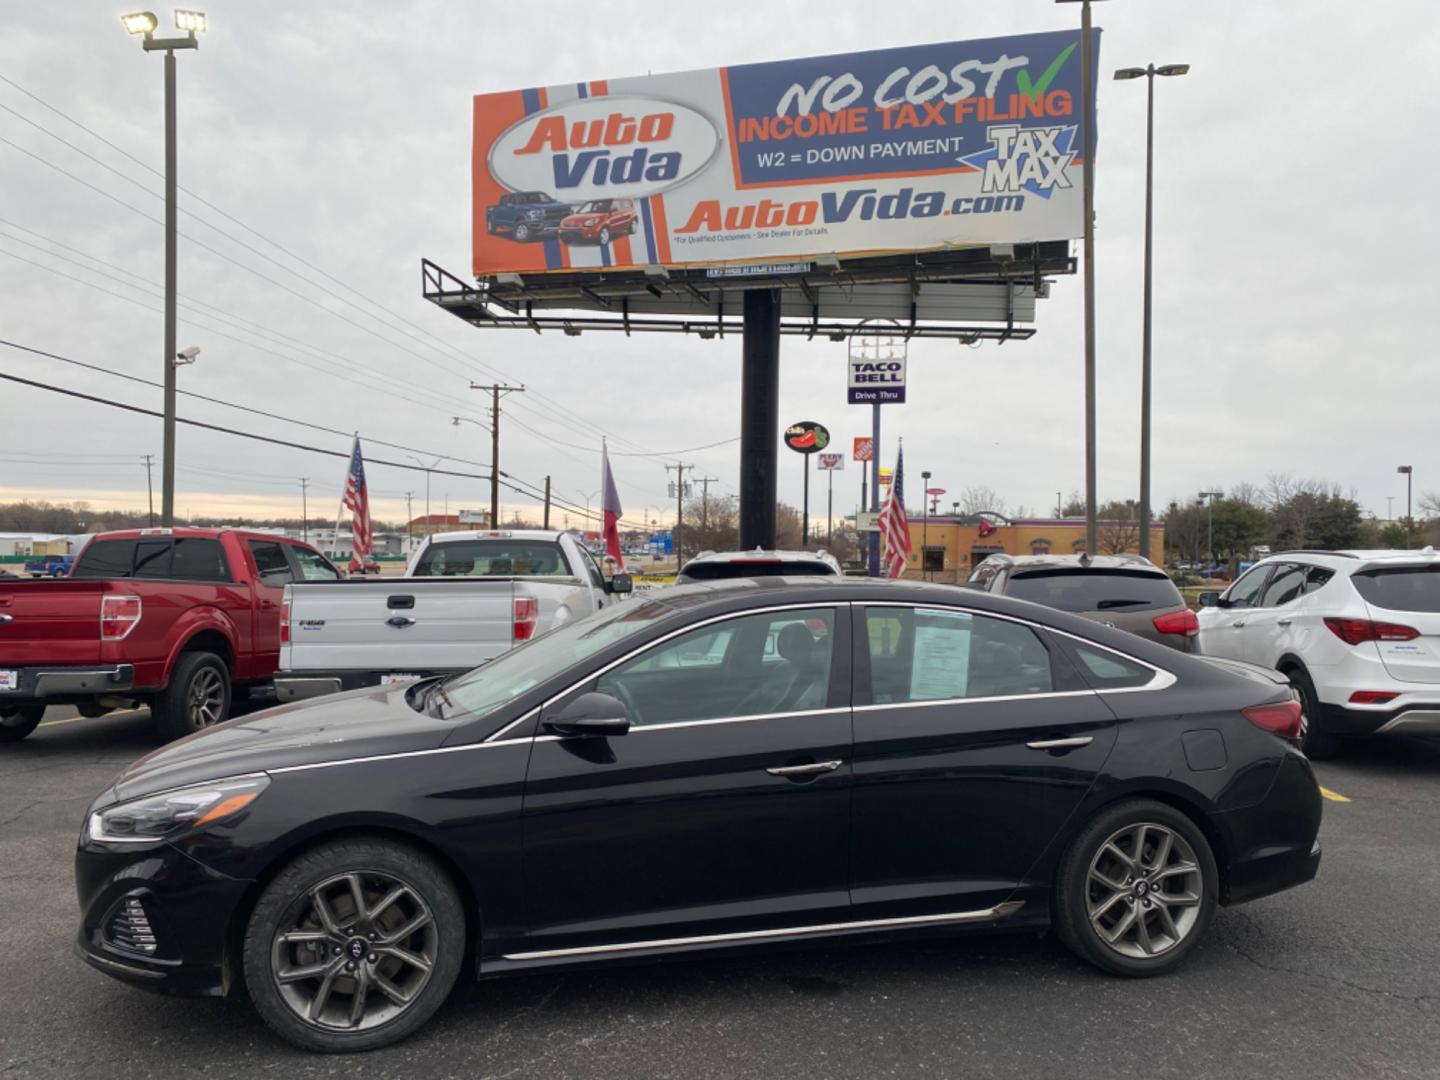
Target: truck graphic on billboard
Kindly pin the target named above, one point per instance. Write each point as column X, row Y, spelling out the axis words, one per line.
column 914, row 148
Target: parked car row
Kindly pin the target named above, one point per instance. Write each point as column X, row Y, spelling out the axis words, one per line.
column 527, row 216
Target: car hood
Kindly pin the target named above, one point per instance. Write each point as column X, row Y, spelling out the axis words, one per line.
column 360, row 723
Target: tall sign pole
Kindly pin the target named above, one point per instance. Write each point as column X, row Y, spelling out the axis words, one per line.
column 1087, row 119
column 878, row 352
column 759, row 417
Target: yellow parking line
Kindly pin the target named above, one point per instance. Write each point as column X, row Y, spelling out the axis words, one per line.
column 72, row 719
column 1333, row 796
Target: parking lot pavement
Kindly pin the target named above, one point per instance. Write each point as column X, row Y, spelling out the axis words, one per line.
column 1340, row 978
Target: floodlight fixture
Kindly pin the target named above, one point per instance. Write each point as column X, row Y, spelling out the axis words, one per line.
column 1130, row 73
column 828, row 262
column 1172, row 69
column 140, row 23
column 657, row 272
column 510, row 279
column 192, row 22
column 1002, row 253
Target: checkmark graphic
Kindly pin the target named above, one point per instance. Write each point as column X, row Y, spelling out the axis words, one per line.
column 1022, row 77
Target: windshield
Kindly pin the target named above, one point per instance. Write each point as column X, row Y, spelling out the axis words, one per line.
column 492, row 558
column 1410, row 588
column 596, row 206
column 1095, row 589
column 511, row 674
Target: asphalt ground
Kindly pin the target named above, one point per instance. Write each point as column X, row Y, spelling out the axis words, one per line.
column 1337, row 979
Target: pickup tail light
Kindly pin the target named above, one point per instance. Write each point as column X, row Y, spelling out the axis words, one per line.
column 1281, row 719
column 1178, row 622
column 1373, row 697
column 118, row 616
column 285, row 622
column 1359, row 631
column 527, row 613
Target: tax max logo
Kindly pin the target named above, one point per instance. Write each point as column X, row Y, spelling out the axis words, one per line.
column 1033, row 159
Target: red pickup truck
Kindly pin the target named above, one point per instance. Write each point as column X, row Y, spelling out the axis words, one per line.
column 182, row 620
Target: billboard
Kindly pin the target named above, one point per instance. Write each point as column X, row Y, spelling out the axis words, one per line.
column 830, row 462
column 904, row 149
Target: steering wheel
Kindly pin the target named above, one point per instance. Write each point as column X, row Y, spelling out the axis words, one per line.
column 622, row 692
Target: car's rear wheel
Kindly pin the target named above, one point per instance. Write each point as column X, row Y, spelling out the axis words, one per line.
column 15, row 724
column 354, row 945
column 1136, row 889
column 1316, row 743
column 197, row 697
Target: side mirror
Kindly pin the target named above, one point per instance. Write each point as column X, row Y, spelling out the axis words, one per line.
column 1208, row 599
column 620, row 585
column 590, row 714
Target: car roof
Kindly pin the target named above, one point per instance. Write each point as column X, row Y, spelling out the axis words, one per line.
column 1356, row 558
column 494, row 534
column 1075, row 562
column 194, row 532
column 766, row 554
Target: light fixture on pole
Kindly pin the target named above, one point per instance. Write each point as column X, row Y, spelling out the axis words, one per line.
column 1148, row 73
column 142, row 24
column 429, row 525
column 1210, row 497
column 1408, row 470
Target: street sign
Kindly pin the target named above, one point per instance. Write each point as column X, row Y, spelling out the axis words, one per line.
column 864, row 449
column 934, row 491
column 877, row 378
column 885, row 475
column 867, row 521
column 807, row 437
column 472, row 517
column 832, row 462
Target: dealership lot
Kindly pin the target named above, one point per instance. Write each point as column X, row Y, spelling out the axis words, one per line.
column 1339, row 978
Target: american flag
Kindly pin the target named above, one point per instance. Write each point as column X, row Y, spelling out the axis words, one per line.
column 894, row 524
column 357, row 501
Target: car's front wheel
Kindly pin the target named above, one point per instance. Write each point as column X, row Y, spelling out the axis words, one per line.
column 522, row 231
column 1136, row 889
column 15, row 724
column 354, row 945
column 604, row 236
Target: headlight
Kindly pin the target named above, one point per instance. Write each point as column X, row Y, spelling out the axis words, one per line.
column 173, row 813
column 535, row 215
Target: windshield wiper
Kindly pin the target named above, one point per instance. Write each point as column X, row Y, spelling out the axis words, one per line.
column 1103, row 604
column 438, row 691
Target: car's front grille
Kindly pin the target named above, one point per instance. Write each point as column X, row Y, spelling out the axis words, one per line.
column 130, row 929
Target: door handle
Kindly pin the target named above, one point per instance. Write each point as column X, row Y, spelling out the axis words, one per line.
column 1284, row 622
column 806, row 770
column 399, row 621
column 1238, row 623
column 1061, row 744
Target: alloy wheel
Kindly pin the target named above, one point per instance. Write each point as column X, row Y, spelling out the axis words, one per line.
column 1143, row 890
column 207, row 699
column 355, row 951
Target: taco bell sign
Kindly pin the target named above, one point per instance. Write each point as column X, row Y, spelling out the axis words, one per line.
column 877, row 381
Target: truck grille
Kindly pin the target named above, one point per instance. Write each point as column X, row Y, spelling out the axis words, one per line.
column 129, row 928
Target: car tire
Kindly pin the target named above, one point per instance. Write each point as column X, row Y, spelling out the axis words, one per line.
column 1119, row 924
column 290, row 905
column 197, row 697
column 1316, row 744
column 604, row 236
column 521, row 232
column 490, row 226
column 15, row 724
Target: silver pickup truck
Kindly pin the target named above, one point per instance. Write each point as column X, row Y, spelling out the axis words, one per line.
column 466, row 597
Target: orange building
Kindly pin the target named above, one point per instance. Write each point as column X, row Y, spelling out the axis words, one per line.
column 948, row 548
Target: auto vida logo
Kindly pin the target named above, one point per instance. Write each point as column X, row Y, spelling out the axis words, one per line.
column 604, row 146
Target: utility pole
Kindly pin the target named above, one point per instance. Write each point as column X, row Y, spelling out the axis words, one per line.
column 679, row 504
column 496, row 390
column 409, row 526
column 150, row 487
column 547, row 502
column 305, row 508
column 705, row 482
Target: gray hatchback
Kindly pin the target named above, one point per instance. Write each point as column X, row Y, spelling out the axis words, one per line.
column 1123, row 591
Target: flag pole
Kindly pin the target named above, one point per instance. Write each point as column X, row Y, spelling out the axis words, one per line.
column 340, row 511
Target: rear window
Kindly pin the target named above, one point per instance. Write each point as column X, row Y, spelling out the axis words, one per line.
column 185, row 558
column 106, row 559
column 722, row 571
column 1094, row 589
column 1409, row 588
column 493, row 558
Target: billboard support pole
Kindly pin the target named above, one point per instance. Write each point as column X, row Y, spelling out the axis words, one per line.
column 1087, row 118
column 875, row 487
column 805, row 504
column 759, row 417
column 830, row 513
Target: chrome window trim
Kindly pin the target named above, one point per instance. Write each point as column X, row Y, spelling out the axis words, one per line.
column 999, row 911
column 976, row 700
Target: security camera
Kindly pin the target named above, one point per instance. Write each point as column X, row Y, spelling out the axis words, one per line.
column 187, row 356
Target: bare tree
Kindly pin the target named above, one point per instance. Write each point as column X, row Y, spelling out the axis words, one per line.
column 974, row 500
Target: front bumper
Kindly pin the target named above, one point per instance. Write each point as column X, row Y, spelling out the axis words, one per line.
column 59, row 685
column 187, row 910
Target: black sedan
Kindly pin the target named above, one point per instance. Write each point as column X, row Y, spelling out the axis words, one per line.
column 719, row 767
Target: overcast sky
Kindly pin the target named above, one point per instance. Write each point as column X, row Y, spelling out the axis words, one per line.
column 1294, row 226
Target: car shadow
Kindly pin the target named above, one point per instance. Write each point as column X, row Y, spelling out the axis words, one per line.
column 1387, row 757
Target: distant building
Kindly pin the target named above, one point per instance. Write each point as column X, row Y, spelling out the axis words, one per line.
column 429, row 524
column 951, row 547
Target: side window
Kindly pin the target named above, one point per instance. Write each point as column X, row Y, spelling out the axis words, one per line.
column 270, row 561
column 1105, row 670
column 313, row 565
column 106, row 559
column 935, row 654
column 1316, row 577
column 1285, row 585
column 152, row 558
column 597, row 579
column 1246, row 592
column 198, row 559
column 727, row 670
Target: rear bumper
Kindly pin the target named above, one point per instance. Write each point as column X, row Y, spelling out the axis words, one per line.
column 59, row 685
column 301, row 685
column 1275, row 844
column 1421, row 718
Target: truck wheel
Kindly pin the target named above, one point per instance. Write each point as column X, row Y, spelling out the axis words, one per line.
column 198, row 696
column 17, row 723
column 490, row 226
column 604, row 236
column 522, row 231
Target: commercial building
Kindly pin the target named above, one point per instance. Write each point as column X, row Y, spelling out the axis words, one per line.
column 947, row 548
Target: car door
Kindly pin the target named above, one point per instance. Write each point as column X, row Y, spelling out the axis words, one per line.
column 1268, row 624
column 272, row 573
column 724, row 809
column 1221, row 625
column 975, row 739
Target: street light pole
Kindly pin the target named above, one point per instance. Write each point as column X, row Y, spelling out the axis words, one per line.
column 1210, row 497
column 143, row 24
column 1408, row 470
column 924, row 522
column 1149, row 72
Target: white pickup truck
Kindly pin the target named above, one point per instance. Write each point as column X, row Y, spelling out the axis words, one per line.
column 466, row 597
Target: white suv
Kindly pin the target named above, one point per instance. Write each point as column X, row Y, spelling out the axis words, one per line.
column 1357, row 632
column 722, row 565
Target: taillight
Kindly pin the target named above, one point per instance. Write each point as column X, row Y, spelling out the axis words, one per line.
column 1178, row 622
column 1373, row 697
column 1282, row 719
column 285, row 622
column 118, row 616
column 1358, row 631
column 527, row 611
